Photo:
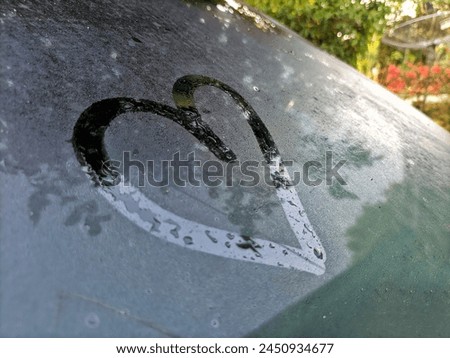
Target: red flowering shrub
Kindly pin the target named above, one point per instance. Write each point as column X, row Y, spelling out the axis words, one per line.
column 417, row 80
column 436, row 69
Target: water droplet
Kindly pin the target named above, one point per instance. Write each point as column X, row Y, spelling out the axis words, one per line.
column 318, row 253
column 309, row 230
column 156, row 225
column 215, row 323
column 174, row 232
column 188, row 240
column 92, row 320
column 212, row 238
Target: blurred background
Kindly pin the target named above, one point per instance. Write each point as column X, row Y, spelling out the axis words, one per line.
column 401, row 44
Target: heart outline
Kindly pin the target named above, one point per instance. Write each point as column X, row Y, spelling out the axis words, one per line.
column 88, row 143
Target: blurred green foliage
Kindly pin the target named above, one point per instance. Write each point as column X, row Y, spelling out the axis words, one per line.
column 344, row 28
column 352, row 31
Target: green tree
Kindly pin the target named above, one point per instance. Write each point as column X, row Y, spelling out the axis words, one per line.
column 344, row 28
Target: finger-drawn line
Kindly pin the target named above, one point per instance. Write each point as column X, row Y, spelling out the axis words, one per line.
column 88, row 143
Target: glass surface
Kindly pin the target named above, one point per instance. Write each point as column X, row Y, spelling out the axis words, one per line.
column 76, row 262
